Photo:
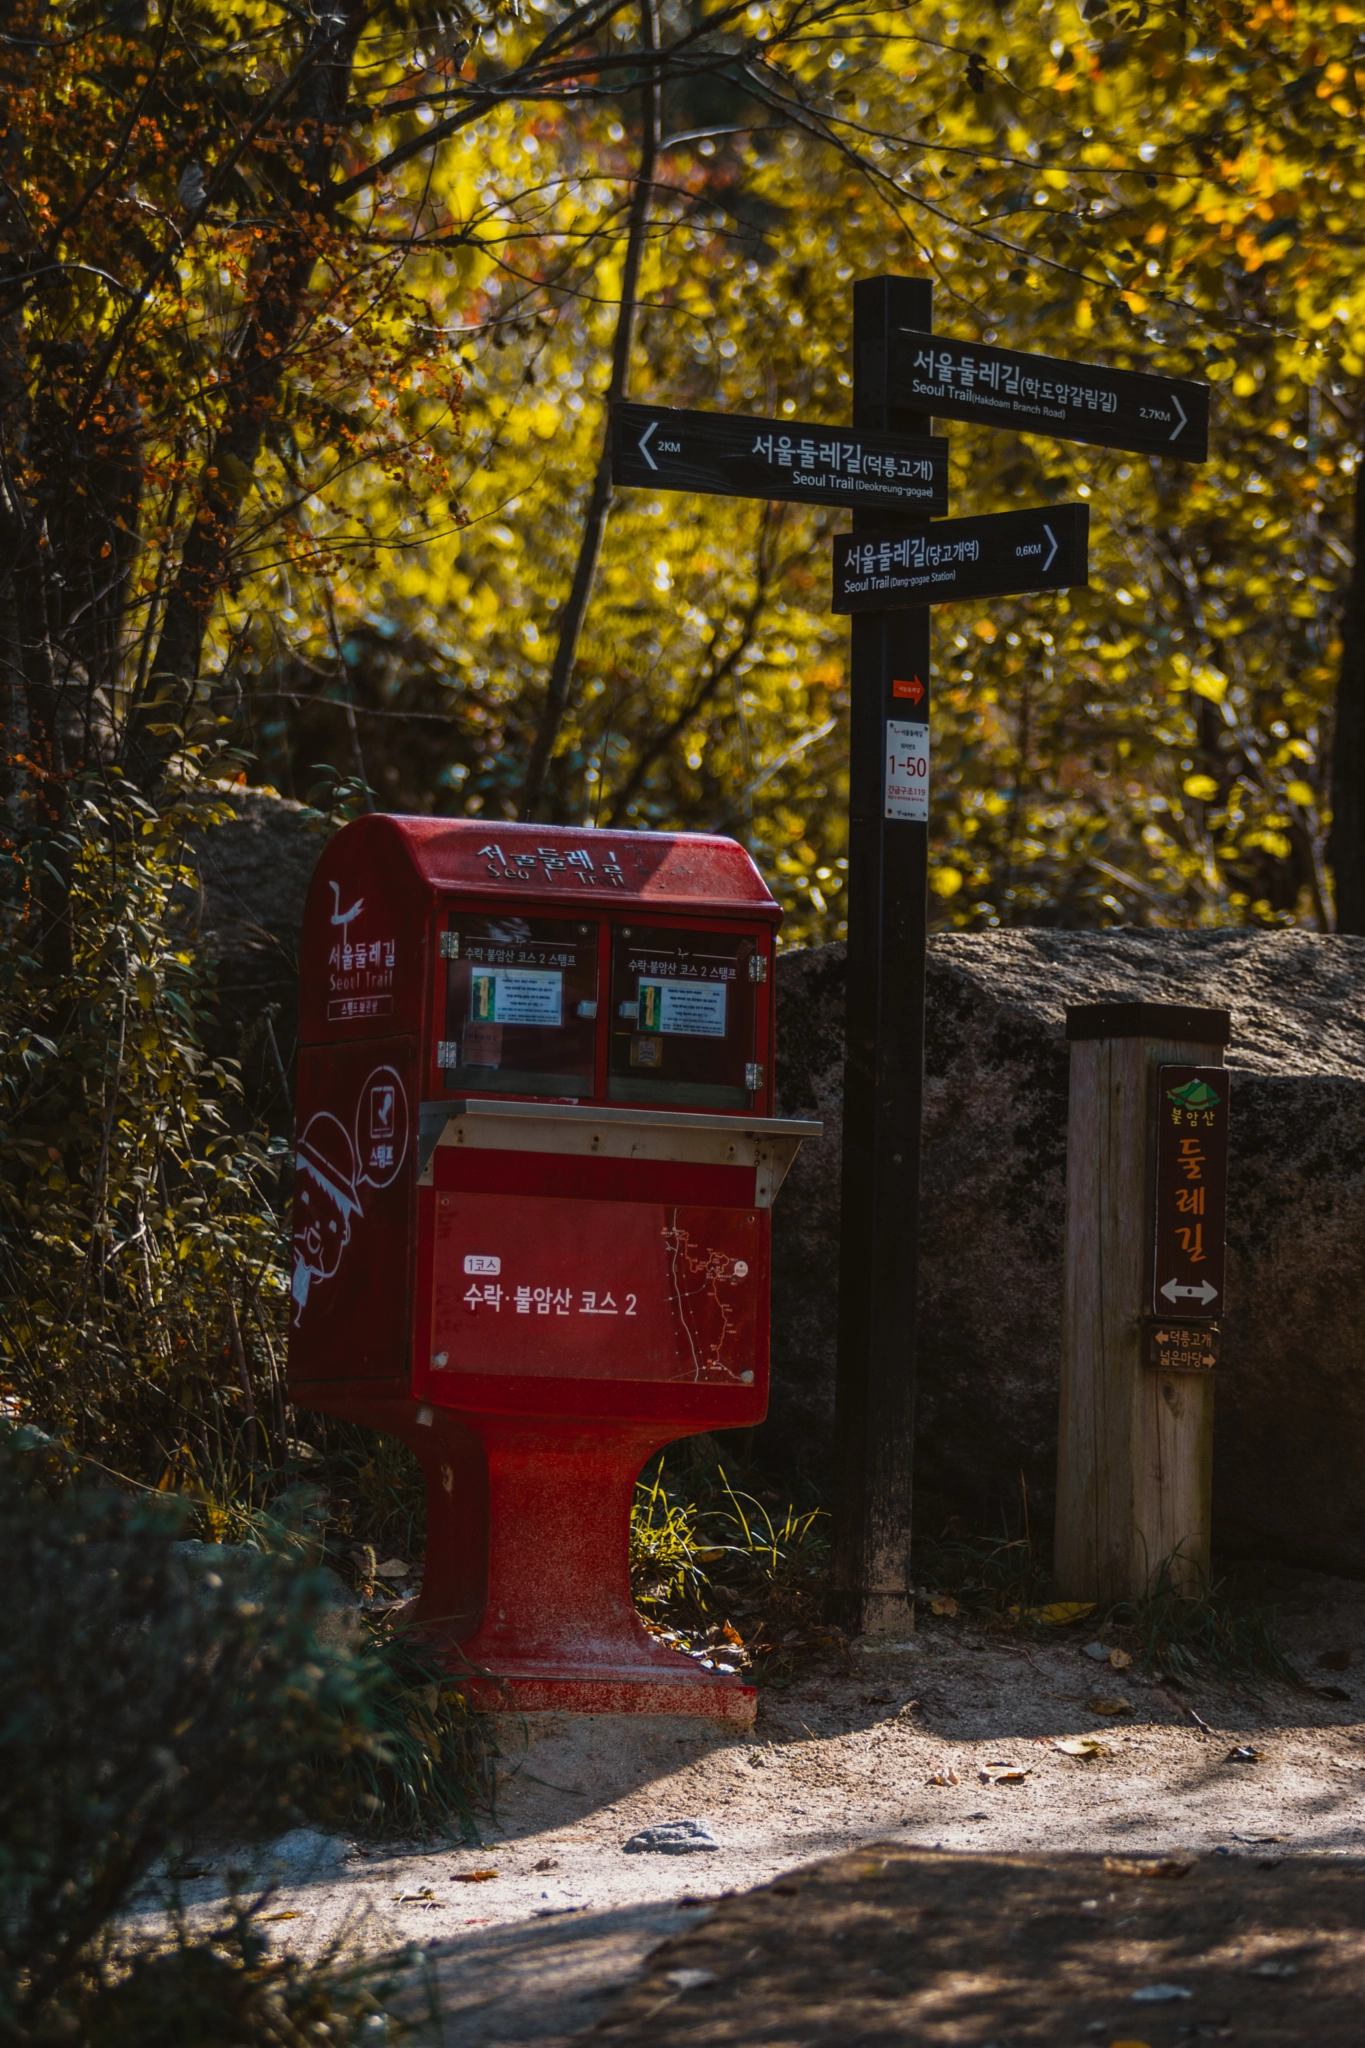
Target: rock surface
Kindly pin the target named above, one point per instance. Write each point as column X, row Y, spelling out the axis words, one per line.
column 255, row 873
column 1289, row 1470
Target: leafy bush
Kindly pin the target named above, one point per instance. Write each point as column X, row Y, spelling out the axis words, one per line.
column 149, row 1688
column 140, row 1249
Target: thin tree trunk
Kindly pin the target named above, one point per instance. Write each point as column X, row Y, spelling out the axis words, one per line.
column 599, row 503
column 1346, row 846
column 284, row 266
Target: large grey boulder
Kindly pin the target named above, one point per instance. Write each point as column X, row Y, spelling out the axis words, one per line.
column 1289, row 1457
column 254, row 871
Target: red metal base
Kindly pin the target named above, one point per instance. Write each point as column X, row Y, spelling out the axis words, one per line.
column 707, row 1698
column 526, row 1592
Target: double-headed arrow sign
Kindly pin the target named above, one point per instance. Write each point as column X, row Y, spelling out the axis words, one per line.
column 732, row 456
column 998, row 555
column 1000, row 387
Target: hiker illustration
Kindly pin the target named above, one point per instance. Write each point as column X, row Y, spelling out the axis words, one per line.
column 325, row 1200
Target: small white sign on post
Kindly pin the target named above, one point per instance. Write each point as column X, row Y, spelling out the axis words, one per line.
column 907, row 771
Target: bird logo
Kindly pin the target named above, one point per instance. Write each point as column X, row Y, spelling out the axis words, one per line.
column 344, row 917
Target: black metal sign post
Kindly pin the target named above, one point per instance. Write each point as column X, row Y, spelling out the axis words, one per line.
column 732, row 456
column 888, row 461
column 888, row 866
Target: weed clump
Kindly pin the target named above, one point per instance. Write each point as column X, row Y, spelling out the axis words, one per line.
column 729, row 1574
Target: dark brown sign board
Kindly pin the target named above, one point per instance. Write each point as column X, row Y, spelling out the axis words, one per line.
column 1181, row 1347
column 1002, row 387
column 730, row 455
column 1188, row 1252
column 995, row 555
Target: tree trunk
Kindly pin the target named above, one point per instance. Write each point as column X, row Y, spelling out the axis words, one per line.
column 284, row 267
column 1346, row 845
column 599, row 503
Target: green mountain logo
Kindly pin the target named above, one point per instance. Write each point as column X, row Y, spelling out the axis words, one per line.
column 1194, row 1095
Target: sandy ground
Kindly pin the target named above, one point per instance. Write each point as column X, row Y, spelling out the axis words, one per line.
column 888, row 1945
column 841, row 1758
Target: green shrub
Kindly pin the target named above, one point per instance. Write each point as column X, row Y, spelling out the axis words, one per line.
column 150, row 1688
column 141, row 1255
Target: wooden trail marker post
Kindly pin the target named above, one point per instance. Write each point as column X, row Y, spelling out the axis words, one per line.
column 887, row 461
column 1145, row 1199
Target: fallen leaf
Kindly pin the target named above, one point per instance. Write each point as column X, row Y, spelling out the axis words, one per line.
column 1082, row 1745
column 1104, row 1705
column 1056, row 1614
column 944, row 1778
column 426, row 1897
column 1003, row 1774
column 1335, row 1660
column 1119, row 1660
column 1148, row 1866
column 1331, row 1692
column 690, row 1980
column 943, row 1603
column 281, row 1916
column 472, row 1876
column 731, row 1635
column 1244, row 1754
column 393, row 1568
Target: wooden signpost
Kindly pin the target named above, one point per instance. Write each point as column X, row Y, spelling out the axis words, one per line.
column 885, row 578
column 1146, row 1189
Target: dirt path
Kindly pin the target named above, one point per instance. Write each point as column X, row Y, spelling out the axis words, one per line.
column 891, row 1945
column 838, row 1760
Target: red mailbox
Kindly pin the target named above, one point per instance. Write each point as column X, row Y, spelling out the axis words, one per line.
column 534, row 1172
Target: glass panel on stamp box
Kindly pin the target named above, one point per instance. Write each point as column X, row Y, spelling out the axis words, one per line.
column 682, row 1017
column 521, row 1006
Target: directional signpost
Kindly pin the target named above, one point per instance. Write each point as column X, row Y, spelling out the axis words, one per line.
column 1188, row 1250
column 1001, row 554
column 731, row 456
column 1000, row 387
column 886, row 577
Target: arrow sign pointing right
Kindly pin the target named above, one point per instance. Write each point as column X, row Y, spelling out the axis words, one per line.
column 1053, row 538
column 1181, row 410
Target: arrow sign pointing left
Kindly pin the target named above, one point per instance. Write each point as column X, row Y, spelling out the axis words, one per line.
column 734, row 455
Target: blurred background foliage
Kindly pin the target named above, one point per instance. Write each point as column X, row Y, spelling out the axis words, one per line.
column 1159, row 187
